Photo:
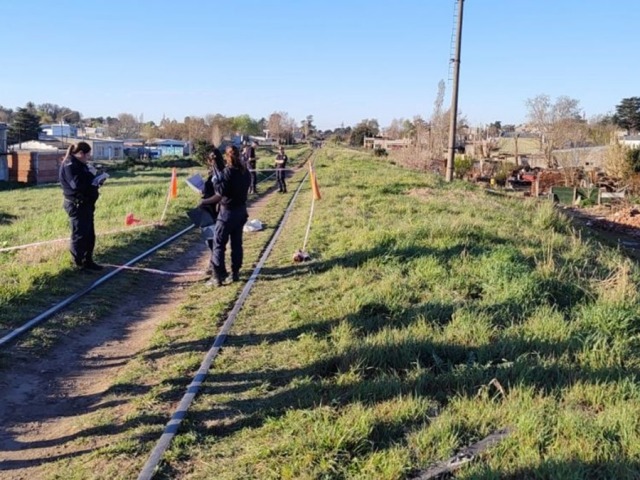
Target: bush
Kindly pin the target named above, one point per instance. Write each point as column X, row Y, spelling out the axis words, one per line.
column 380, row 152
column 502, row 173
column 462, row 165
column 633, row 158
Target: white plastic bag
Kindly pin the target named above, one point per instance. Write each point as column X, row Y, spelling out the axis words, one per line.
column 254, row 225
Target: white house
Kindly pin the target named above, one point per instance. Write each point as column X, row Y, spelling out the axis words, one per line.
column 632, row 141
column 100, row 149
column 59, row 130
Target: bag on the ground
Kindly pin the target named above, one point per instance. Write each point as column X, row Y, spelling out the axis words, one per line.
column 254, row 225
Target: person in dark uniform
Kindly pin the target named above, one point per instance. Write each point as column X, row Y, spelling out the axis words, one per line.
column 80, row 190
column 211, row 186
column 232, row 215
column 281, row 163
column 251, row 165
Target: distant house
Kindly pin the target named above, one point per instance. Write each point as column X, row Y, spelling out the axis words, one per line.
column 100, row 149
column 92, row 132
column 263, row 141
column 105, row 149
column 385, row 143
column 43, row 144
column 588, row 158
column 59, row 130
column 168, row 147
column 4, row 170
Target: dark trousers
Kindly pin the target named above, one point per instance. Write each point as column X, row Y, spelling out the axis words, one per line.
column 228, row 228
column 254, row 182
column 282, row 186
column 83, row 235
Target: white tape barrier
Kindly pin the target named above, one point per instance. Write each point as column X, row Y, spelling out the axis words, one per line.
column 46, row 242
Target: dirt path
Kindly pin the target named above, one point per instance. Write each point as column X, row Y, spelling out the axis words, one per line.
column 43, row 401
column 42, row 404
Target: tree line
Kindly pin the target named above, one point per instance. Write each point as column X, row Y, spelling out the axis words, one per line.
column 25, row 124
column 558, row 123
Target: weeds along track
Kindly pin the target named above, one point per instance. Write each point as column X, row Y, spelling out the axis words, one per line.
column 18, row 332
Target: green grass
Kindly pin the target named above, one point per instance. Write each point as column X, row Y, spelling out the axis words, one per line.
column 431, row 315
column 526, row 146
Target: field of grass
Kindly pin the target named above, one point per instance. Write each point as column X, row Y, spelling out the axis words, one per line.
column 526, row 146
column 431, row 315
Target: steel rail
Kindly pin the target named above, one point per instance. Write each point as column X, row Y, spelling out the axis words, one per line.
column 59, row 306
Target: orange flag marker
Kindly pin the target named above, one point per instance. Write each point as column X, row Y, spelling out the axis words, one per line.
column 314, row 183
column 173, row 188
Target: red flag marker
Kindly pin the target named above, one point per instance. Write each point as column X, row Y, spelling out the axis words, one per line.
column 129, row 219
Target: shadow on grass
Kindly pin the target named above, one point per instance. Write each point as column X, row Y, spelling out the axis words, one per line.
column 7, row 218
column 473, row 245
column 94, row 434
column 389, row 370
column 173, row 390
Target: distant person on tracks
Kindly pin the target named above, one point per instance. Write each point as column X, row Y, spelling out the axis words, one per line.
column 251, row 165
column 80, row 189
column 231, row 196
column 281, row 164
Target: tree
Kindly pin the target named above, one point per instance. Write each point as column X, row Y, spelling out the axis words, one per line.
column 396, row 129
column 25, row 126
column 5, row 114
column 125, row 126
column 173, row 129
column 559, row 124
column 245, row 125
column 274, row 125
column 600, row 130
column 627, row 114
column 308, row 128
column 148, row 131
column 201, row 151
column 220, row 127
column 616, row 162
column 494, row 129
column 439, row 122
column 281, row 126
column 52, row 113
column 197, row 129
column 366, row 128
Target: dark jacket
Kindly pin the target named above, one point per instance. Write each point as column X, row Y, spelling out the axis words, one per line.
column 281, row 161
column 211, row 187
column 234, row 188
column 76, row 181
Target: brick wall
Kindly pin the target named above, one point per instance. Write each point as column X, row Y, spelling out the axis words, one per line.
column 33, row 167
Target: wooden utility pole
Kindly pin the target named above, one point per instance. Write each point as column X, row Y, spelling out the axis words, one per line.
column 454, row 96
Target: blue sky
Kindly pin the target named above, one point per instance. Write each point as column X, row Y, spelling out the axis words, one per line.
column 340, row 61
